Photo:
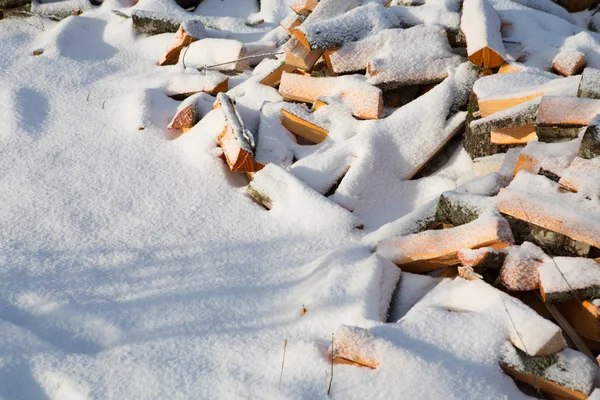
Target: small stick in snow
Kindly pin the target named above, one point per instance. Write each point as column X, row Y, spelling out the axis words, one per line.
column 282, row 364
column 332, row 358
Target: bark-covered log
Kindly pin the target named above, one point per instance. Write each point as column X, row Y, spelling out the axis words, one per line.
column 569, row 278
column 520, row 115
column 590, row 143
column 589, row 86
column 155, row 23
column 60, row 10
column 13, row 3
column 456, row 208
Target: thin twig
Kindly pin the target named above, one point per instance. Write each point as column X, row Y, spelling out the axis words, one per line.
column 240, row 59
column 183, row 57
column 332, row 357
column 282, row 364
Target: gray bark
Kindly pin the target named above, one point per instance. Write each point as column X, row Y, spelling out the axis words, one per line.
column 589, row 86
column 590, row 143
column 557, row 133
column 13, row 3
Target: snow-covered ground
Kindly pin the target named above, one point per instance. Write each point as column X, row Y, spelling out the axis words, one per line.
column 136, row 267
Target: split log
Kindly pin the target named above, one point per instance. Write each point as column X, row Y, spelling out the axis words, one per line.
column 191, row 110
column 482, row 259
column 219, row 52
column 589, row 86
column 275, row 188
column 501, row 91
column 365, row 101
column 561, row 118
column 237, row 142
column 481, row 26
column 590, row 143
column 514, row 125
column 303, row 7
column 536, row 200
column 351, row 26
column 188, row 32
column 583, row 316
column 300, row 122
column 520, row 269
column 582, row 176
column 272, row 75
column 569, row 278
column 155, row 23
column 455, row 208
column 328, row 9
column 419, row 56
column 299, row 56
column 566, row 375
column 431, row 250
column 354, row 345
column 550, row 159
column 58, row 11
column 184, row 85
column 290, row 23
column 568, row 63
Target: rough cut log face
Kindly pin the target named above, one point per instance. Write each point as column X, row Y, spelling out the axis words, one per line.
column 274, row 78
column 354, row 345
column 489, row 107
column 238, row 159
column 303, row 128
column 184, row 119
column 569, row 63
column 486, row 58
column 520, row 274
column 299, row 56
column 481, row 26
column 513, row 136
column 583, row 316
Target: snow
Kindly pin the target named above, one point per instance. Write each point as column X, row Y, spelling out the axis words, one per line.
column 481, row 26
column 208, row 52
column 564, row 274
column 552, row 157
column 582, row 176
column 557, row 110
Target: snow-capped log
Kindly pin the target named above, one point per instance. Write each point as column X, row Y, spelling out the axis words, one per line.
column 520, row 269
column 277, row 189
column 590, row 142
column 290, row 23
column 351, row 26
column 364, row 100
column 565, row 375
column 436, row 249
column 303, row 7
column 569, row 223
column 155, row 23
column 237, row 142
column 549, row 159
column 568, row 63
column 354, row 345
column 582, row 176
column 514, row 125
column 355, row 56
column 481, row 259
column 299, row 56
column 224, row 54
column 271, row 75
column 418, row 56
column 327, row 9
column 583, row 316
column 481, row 26
column 561, row 118
column 58, row 11
column 298, row 120
column 183, row 86
column 589, row 86
column 455, row 208
column 191, row 110
column 188, row 32
column 501, row 91
column 569, row 278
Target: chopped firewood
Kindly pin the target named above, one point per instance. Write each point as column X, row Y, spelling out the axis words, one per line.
column 513, row 125
column 238, row 144
column 209, row 52
column 520, row 269
column 354, row 345
column 418, row 56
column 569, row 63
column 299, row 122
column 184, row 85
column 188, row 32
column 501, row 91
column 583, row 316
column 191, row 110
column 510, row 68
column 431, row 250
column 272, row 77
column 553, row 158
column 565, row 375
column 365, row 101
column 299, row 56
column 275, row 188
column 582, row 176
column 351, row 26
column 589, row 86
column 154, row 23
column 561, row 118
column 515, row 135
column 303, row 6
column 58, row 11
column 536, row 200
column 468, row 273
column 590, row 142
column 569, row 278
column 328, row 9
column 290, row 23
column 482, row 259
column 455, row 208
column 481, row 26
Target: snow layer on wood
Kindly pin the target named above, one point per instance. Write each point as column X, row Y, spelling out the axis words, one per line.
column 351, row 279
column 193, row 81
column 520, row 269
column 291, row 199
column 569, row 62
column 243, row 137
column 327, row 9
column 510, row 161
column 430, row 13
column 485, row 165
column 194, row 28
column 565, row 274
column 582, row 176
column 418, row 55
column 410, row 289
column 558, row 110
column 354, row 25
column 201, row 104
column 275, row 143
column 207, row 52
column 552, row 157
column 60, row 10
column 519, row 115
column 481, row 25
column 355, row 344
column 472, row 257
column 249, row 97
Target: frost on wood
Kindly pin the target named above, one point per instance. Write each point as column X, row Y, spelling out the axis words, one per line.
column 538, row 201
column 191, row 110
column 181, row 86
column 416, row 56
column 569, row 63
column 188, row 32
column 292, row 199
column 582, row 176
column 350, row 285
column 209, row 52
column 351, row 26
column 435, row 249
column 237, row 142
column 355, row 345
column 561, row 118
column 520, row 269
column 569, row 278
column 481, row 26
column 551, row 159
